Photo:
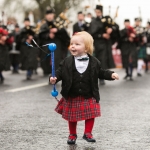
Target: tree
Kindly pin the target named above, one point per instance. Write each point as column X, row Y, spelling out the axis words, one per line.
column 40, row 6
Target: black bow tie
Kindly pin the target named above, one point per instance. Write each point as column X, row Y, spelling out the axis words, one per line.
column 83, row 59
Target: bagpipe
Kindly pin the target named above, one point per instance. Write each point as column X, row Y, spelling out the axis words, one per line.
column 110, row 24
column 131, row 33
column 109, row 21
column 61, row 20
column 111, row 28
column 130, row 30
column 10, row 38
column 26, row 31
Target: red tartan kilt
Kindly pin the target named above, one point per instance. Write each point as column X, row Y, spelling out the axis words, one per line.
column 79, row 108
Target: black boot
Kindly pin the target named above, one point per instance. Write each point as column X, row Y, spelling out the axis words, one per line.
column 126, row 77
column 139, row 74
column 72, row 139
column 88, row 137
column 131, row 79
column 29, row 74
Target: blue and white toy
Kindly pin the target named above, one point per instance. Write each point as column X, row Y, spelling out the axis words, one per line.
column 52, row 47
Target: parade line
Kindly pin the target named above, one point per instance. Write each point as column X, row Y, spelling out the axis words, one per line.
column 27, row 87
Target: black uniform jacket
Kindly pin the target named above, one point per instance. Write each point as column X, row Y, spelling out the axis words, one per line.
column 77, row 28
column 64, row 73
column 4, row 58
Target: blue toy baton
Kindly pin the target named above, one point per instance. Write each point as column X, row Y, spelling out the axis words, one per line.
column 52, row 48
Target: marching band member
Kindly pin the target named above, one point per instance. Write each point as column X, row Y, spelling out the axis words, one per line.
column 15, row 52
column 140, row 41
column 50, row 32
column 147, row 59
column 4, row 53
column 128, row 48
column 28, row 54
column 81, row 25
column 101, row 36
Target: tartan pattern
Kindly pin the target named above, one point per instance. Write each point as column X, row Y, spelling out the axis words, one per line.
column 78, row 108
column 59, row 107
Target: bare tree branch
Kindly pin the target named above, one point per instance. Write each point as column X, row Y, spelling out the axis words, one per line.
column 59, row 6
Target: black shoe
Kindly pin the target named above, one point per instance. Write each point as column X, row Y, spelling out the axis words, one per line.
column 126, row 77
column 28, row 77
column 72, row 139
column 139, row 75
column 88, row 137
column 131, row 79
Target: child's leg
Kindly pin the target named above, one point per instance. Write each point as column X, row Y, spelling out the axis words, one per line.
column 72, row 127
column 89, row 123
column 73, row 133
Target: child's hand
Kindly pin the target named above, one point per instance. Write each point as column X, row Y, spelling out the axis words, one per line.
column 53, row 80
column 115, row 76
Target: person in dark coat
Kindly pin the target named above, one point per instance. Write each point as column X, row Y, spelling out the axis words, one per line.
column 128, row 49
column 79, row 74
column 4, row 53
column 51, row 33
column 28, row 54
column 81, row 25
column 15, row 50
column 147, row 59
column 141, row 55
column 140, row 41
column 102, row 42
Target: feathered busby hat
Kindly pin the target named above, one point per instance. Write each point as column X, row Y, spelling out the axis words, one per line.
column 137, row 19
column 49, row 10
column 26, row 19
column 99, row 7
column 126, row 20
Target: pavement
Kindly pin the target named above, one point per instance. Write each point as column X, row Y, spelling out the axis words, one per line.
column 28, row 120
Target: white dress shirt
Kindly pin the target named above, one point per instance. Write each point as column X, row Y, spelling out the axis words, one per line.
column 81, row 66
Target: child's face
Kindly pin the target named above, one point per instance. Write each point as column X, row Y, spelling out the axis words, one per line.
column 77, row 46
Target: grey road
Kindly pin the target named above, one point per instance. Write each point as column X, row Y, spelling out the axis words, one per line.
column 28, row 120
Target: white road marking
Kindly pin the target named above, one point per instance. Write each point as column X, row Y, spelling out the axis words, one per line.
column 27, row 87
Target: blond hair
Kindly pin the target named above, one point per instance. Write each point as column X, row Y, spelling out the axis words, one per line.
column 88, row 41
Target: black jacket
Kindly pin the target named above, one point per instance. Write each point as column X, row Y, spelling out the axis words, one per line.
column 28, row 57
column 4, row 58
column 64, row 73
column 77, row 28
